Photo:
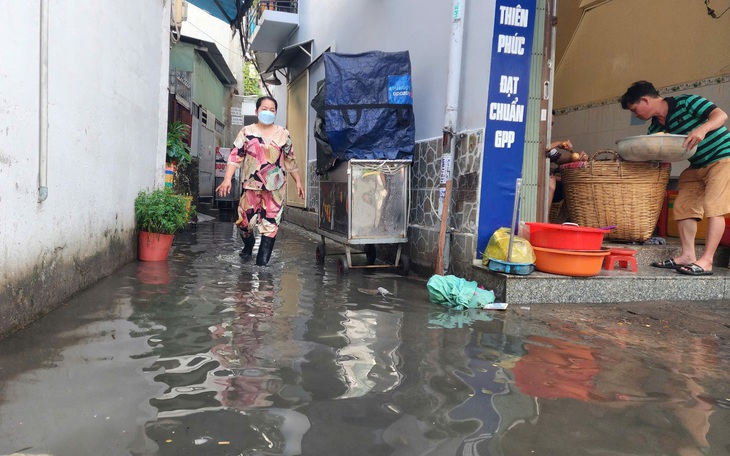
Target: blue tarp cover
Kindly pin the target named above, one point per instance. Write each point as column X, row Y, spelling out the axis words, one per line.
column 226, row 10
column 369, row 105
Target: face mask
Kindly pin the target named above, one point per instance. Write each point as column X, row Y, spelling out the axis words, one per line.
column 266, row 117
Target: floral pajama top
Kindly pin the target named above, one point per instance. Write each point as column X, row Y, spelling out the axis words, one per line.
column 264, row 161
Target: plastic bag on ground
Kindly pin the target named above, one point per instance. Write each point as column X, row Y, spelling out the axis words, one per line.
column 498, row 248
column 457, row 293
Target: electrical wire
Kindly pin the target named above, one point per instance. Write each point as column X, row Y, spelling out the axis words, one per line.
column 383, row 167
column 718, row 17
column 214, row 40
column 175, row 35
column 711, row 12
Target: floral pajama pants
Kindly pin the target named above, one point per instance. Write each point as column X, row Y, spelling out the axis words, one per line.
column 262, row 208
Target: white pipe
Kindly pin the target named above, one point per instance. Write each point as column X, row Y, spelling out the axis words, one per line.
column 43, row 106
column 453, row 84
column 453, row 81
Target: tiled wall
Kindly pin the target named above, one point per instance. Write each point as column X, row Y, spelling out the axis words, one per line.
column 425, row 222
column 312, row 186
column 595, row 126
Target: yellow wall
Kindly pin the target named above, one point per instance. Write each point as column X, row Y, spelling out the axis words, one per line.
column 568, row 15
column 620, row 41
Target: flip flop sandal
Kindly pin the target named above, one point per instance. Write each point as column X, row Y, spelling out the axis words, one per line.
column 693, row 269
column 666, row 264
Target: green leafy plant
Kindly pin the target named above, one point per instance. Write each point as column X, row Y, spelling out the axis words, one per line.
column 251, row 80
column 178, row 151
column 161, row 211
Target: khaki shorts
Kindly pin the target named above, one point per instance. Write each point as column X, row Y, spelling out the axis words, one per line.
column 704, row 192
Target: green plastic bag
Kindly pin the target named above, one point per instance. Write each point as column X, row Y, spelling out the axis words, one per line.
column 457, row 293
column 498, row 247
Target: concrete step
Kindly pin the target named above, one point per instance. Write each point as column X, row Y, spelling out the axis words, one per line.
column 647, row 254
column 646, row 284
column 207, row 208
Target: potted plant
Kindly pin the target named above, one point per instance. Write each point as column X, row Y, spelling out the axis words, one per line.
column 159, row 214
column 178, row 151
column 179, row 158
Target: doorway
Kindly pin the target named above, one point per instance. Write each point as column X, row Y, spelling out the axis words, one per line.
column 297, row 117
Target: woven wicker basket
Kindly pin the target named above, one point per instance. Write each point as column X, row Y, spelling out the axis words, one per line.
column 555, row 209
column 628, row 195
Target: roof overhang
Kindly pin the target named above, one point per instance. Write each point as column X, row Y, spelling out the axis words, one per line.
column 299, row 54
column 213, row 57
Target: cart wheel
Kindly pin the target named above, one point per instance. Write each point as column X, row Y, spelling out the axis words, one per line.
column 405, row 265
column 320, row 253
column 342, row 267
column 371, row 253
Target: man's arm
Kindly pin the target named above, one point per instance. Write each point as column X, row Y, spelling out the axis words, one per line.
column 715, row 120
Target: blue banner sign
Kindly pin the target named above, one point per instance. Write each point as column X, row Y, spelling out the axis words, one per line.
column 504, row 137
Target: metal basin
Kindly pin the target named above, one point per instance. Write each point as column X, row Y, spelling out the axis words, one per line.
column 658, row 147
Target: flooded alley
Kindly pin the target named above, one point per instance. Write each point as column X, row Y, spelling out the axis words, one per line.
column 207, row 355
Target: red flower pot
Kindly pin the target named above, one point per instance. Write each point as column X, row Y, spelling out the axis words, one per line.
column 154, row 246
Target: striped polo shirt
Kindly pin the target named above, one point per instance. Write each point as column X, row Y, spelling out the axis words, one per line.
column 687, row 112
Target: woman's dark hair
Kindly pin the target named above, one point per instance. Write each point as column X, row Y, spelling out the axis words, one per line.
column 636, row 91
column 266, row 97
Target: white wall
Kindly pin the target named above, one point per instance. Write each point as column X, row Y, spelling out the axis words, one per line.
column 202, row 25
column 358, row 26
column 108, row 65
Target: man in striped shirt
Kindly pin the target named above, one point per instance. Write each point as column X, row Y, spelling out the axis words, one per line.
column 704, row 187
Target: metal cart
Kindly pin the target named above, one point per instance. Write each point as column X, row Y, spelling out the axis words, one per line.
column 364, row 203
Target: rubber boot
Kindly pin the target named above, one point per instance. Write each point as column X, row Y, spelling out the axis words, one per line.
column 248, row 243
column 265, row 248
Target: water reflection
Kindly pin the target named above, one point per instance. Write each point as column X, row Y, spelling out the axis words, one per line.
column 370, row 358
column 211, row 329
column 228, row 358
column 450, row 318
column 487, row 382
column 293, row 360
column 609, row 400
column 154, row 272
column 554, row 368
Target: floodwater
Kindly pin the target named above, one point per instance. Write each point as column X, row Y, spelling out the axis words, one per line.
column 206, row 355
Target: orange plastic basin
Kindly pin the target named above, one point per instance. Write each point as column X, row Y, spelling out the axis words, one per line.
column 576, row 263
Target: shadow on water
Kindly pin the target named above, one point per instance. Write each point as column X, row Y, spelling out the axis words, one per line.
column 218, row 356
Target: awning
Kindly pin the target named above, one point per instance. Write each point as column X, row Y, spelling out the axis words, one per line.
column 213, row 57
column 290, row 54
column 231, row 11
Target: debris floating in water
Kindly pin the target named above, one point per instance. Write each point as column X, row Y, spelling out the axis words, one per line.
column 375, row 291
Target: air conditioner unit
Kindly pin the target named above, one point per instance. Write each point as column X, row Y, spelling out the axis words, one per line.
column 178, row 12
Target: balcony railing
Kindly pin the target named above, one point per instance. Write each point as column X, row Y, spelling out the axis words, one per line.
column 253, row 17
